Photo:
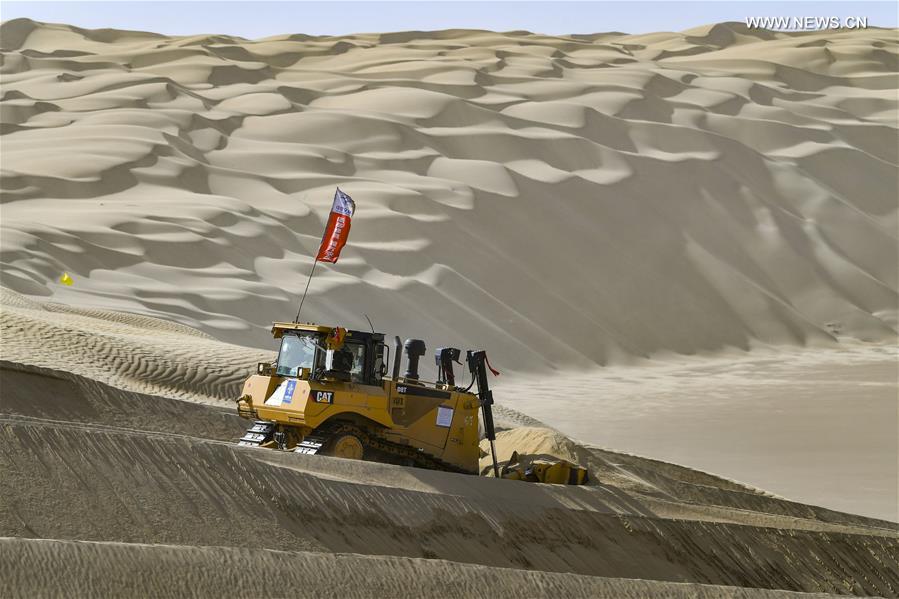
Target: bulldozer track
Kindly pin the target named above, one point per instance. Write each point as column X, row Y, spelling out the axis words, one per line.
column 318, row 441
column 397, row 450
column 419, row 459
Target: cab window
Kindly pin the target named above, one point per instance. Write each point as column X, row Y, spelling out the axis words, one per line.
column 357, row 372
column 297, row 351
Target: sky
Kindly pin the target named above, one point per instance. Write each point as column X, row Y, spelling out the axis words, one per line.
column 261, row 19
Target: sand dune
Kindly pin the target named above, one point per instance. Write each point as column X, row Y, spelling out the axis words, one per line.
column 106, row 476
column 681, row 192
column 564, row 202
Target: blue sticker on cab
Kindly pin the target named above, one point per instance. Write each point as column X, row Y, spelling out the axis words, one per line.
column 288, row 390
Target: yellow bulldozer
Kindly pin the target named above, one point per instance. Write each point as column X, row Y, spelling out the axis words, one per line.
column 329, row 393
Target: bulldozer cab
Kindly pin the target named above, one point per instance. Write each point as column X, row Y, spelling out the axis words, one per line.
column 309, row 352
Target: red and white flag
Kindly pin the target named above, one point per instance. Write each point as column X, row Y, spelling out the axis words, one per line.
column 338, row 229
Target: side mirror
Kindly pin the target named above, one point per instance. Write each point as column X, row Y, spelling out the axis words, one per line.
column 264, row 368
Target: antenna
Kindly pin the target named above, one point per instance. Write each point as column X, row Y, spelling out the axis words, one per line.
column 369, row 323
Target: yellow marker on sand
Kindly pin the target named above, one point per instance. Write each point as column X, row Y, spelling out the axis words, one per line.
column 65, row 279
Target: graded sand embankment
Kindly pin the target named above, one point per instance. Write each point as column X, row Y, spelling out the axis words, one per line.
column 134, row 494
column 177, row 570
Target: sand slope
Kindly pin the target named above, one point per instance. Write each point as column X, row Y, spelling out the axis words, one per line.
column 149, row 479
column 815, row 426
column 129, row 351
column 669, row 192
column 780, row 420
column 69, row 480
column 173, row 570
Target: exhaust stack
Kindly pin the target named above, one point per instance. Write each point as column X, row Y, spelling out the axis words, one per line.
column 415, row 348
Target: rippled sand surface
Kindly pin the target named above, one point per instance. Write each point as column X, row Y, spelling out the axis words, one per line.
column 564, row 202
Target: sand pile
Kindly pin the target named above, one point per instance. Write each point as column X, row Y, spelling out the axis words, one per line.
column 533, row 443
column 537, row 441
column 668, row 192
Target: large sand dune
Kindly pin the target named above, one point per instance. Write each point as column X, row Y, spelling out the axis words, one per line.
column 670, row 192
column 560, row 201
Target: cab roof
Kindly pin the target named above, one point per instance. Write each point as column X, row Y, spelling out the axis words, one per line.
column 278, row 328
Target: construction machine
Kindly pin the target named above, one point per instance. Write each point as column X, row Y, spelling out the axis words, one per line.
column 328, row 392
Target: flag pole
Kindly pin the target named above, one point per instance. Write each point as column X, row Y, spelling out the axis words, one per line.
column 336, row 230
column 309, row 280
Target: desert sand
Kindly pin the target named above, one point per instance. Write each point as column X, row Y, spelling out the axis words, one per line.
column 817, row 427
column 132, row 490
column 678, row 192
column 677, row 245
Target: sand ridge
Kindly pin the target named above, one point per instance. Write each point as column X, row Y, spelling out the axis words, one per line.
column 730, row 187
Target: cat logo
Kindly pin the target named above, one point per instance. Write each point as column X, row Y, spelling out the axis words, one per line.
column 324, row 397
